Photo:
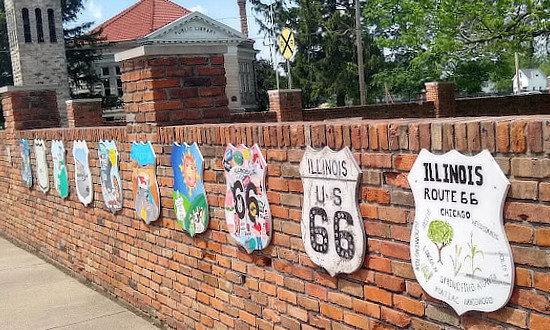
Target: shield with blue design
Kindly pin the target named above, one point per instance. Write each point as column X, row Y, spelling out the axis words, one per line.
column 26, row 171
column 144, row 182
column 189, row 196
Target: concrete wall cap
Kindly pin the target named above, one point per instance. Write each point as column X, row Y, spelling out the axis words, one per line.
column 284, row 91
column 83, row 101
column 167, row 50
column 28, row 88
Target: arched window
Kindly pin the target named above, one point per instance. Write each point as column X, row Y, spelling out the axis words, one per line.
column 51, row 26
column 26, row 25
column 39, row 26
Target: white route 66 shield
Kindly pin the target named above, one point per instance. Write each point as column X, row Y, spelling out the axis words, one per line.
column 459, row 250
column 332, row 227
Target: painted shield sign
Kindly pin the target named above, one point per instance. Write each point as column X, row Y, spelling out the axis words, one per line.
column 144, row 182
column 60, row 178
column 26, row 171
column 189, row 195
column 111, row 185
column 83, row 177
column 332, row 228
column 459, row 250
column 247, row 210
column 41, row 165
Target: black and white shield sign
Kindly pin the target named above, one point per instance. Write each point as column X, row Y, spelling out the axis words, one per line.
column 459, row 250
column 332, row 227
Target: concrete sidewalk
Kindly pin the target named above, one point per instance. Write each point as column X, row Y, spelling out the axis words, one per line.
column 36, row 295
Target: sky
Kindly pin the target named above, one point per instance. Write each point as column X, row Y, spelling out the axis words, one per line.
column 225, row 11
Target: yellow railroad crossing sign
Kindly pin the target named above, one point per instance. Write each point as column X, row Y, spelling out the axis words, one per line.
column 286, row 43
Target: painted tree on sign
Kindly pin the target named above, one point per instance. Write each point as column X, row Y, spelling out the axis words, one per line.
column 441, row 234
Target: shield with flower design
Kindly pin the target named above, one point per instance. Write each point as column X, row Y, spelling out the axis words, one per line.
column 247, row 210
column 189, row 196
column 111, row 186
column 26, row 171
column 60, row 178
column 459, row 250
column 144, row 182
column 42, row 174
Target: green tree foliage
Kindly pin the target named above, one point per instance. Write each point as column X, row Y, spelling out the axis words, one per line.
column 82, row 48
column 441, row 234
column 265, row 81
column 450, row 40
column 324, row 66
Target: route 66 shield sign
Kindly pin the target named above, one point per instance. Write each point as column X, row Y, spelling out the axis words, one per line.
column 332, row 228
column 41, row 165
column 247, row 210
column 459, row 250
column 83, row 177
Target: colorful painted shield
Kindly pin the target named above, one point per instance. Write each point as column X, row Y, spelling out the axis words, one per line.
column 332, row 227
column 459, row 250
column 83, row 177
column 189, row 195
column 111, row 185
column 247, row 210
column 60, row 178
column 144, row 182
column 26, row 171
column 42, row 174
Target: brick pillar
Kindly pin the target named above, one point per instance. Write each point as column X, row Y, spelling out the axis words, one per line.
column 443, row 95
column 30, row 107
column 84, row 113
column 287, row 103
column 174, row 84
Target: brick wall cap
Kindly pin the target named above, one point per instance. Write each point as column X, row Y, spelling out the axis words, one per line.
column 83, row 101
column 168, row 49
column 28, row 88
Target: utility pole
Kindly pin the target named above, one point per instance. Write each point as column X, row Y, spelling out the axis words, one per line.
column 516, row 61
column 360, row 63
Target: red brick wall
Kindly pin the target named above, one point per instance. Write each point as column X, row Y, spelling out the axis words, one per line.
column 29, row 108
column 84, row 113
column 376, row 111
column 207, row 281
column 173, row 90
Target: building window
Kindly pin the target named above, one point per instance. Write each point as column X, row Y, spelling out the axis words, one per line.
column 26, row 25
column 51, row 26
column 119, row 86
column 105, row 71
column 117, row 70
column 39, row 26
column 106, row 87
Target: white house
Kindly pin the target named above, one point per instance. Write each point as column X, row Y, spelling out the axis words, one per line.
column 530, row 80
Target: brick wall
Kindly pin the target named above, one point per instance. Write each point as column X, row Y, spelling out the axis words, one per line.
column 84, row 113
column 375, row 111
column 29, row 107
column 174, row 89
column 208, row 282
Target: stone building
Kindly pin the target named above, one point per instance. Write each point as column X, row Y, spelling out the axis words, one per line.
column 35, row 33
column 164, row 22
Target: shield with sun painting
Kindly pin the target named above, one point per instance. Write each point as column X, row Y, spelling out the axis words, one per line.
column 189, row 195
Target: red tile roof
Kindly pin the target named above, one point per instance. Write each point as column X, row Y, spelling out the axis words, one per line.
column 141, row 19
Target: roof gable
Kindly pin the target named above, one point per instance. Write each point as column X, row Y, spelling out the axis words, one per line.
column 193, row 28
column 141, row 19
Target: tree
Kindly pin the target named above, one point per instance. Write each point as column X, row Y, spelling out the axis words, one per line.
column 436, row 38
column 324, row 66
column 82, row 48
column 441, row 234
column 265, row 81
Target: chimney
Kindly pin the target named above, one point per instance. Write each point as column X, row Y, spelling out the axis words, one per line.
column 244, row 20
